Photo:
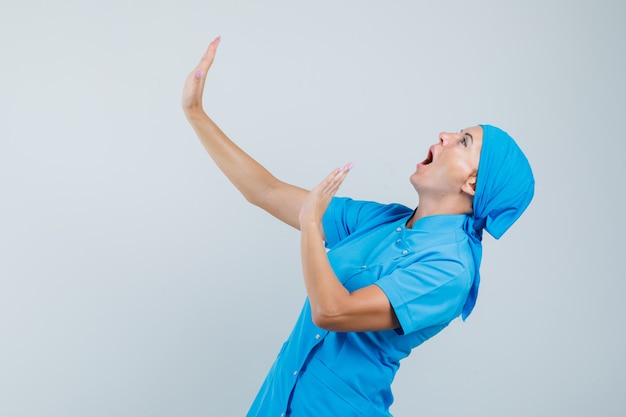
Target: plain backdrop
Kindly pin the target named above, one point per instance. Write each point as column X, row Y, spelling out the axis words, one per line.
column 136, row 281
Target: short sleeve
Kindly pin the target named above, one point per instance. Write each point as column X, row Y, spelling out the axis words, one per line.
column 427, row 293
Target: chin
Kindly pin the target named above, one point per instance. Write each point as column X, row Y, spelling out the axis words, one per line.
column 415, row 176
column 414, row 180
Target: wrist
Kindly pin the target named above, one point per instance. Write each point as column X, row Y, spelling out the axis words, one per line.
column 312, row 227
column 194, row 114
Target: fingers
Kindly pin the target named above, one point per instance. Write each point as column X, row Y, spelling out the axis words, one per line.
column 333, row 181
column 207, row 59
column 315, row 205
column 194, row 83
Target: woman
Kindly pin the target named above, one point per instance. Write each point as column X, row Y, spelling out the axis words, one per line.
column 393, row 276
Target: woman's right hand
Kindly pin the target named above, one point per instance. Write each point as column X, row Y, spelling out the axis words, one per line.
column 194, row 84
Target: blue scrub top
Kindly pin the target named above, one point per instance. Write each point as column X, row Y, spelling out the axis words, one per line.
column 426, row 272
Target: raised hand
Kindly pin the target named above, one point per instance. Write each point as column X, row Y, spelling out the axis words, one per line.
column 318, row 199
column 194, row 84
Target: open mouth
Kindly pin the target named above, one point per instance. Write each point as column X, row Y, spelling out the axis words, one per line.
column 429, row 158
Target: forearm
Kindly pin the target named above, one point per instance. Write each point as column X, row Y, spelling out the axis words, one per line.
column 326, row 294
column 333, row 307
column 246, row 174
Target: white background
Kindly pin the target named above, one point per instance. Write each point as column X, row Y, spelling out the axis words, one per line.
column 134, row 279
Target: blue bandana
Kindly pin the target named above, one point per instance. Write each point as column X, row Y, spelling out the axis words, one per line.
column 504, row 188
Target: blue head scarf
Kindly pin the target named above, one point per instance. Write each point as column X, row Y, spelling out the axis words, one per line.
column 504, row 188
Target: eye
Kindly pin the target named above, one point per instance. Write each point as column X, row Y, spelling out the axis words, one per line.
column 464, row 141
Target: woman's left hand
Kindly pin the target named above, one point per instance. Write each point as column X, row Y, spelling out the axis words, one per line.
column 318, row 199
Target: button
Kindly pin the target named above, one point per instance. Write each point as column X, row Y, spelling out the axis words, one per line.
column 399, row 229
column 363, row 266
column 295, row 373
column 317, row 336
column 399, row 240
column 282, row 414
column 404, row 252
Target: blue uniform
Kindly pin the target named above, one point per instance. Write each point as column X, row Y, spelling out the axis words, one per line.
column 426, row 272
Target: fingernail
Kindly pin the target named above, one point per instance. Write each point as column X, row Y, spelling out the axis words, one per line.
column 219, row 38
column 198, row 74
column 349, row 167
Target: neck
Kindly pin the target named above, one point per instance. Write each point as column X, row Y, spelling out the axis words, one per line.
column 429, row 207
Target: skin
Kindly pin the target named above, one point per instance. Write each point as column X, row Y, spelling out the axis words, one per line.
column 445, row 186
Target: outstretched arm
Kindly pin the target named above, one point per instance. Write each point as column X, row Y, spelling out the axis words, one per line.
column 255, row 183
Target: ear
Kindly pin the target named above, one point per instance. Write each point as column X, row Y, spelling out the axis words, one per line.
column 469, row 186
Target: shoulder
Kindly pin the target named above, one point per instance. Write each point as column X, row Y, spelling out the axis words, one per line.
column 430, row 284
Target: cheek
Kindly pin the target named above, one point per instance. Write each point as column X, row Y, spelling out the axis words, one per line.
column 475, row 159
column 462, row 170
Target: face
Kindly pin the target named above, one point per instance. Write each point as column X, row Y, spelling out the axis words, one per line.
column 451, row 165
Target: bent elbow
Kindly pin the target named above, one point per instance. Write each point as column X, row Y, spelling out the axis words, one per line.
column 326, row 320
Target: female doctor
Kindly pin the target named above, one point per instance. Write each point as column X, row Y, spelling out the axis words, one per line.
column 392, row 277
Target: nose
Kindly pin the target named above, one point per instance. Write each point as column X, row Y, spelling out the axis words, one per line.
column 444, row 138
